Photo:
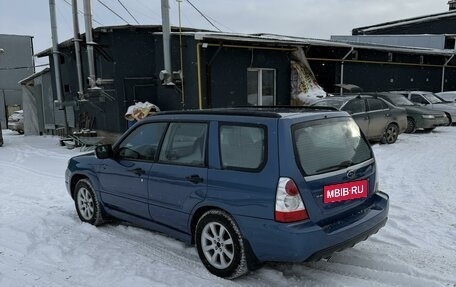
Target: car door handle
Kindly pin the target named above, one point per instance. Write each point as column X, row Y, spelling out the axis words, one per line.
column 194, row 178
column 138, row 171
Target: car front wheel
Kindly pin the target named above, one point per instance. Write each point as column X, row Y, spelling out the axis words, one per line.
column 220, row 245
column 411, row 127
column 87, row 204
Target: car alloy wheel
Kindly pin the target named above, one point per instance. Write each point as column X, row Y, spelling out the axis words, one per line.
column 86, row 202
column 391, row 133
column 220, row 245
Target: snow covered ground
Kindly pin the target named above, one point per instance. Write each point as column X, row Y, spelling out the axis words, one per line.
column 43, row 243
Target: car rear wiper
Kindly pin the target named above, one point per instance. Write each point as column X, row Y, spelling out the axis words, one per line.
column 343, row 164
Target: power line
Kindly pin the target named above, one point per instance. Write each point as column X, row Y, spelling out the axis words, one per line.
column 128, row 12
column 112, row 11
column 82, row 13
column 204, row 16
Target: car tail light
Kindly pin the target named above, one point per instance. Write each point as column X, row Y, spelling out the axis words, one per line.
column 289, row 206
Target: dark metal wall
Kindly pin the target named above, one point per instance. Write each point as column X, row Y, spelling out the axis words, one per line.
column 375, row 70
column 133, row 59
column 225, row 74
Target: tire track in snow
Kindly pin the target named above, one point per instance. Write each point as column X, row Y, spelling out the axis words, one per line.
column 30, row 170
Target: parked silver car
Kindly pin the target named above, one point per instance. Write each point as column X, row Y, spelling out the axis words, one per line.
column 418, row 117
column 431, row 101
column 16, row 121
column 449, row 96
column 378, row 119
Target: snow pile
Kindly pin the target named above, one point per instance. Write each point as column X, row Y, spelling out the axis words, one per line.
column 43, row 243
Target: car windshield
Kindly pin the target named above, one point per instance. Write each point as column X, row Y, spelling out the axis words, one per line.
column 399, row 100
column 433, row 98
column 335, row 103
column 328, row 145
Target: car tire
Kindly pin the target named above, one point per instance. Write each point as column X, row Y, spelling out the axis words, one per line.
column 220, row 245
column 87, row 204
column 428, row 130
column 450, row 119
column 411, row 126
column 391, row 133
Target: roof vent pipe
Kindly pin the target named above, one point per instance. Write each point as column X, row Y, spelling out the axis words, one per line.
column 89, row 42
column 77, row 48
column 166, row 74
column 452, row 4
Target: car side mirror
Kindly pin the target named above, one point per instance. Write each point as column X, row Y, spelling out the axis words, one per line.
column 104, row 151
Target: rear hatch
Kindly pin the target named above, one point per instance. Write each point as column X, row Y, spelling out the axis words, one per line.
column 337, row 172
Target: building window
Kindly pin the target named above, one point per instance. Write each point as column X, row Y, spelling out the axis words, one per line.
column 261, row 86
column 390, row 57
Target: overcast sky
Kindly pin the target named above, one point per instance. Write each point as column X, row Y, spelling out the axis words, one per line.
column 304, row 18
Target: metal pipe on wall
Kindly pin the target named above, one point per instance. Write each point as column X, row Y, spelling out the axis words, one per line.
column 55, row 56
column 77, row 48
column 443, row 72
column 342, row 70
column 55, row 51
column 166, row 40
column 89, row 41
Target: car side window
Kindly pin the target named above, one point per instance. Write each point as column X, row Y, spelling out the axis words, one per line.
column 355, row 106
column 376, row 105
column 418, row 99
column 242, row 147
column 185, row 144
column 142, row 142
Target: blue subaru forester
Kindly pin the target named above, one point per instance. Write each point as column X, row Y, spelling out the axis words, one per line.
column 245, row 185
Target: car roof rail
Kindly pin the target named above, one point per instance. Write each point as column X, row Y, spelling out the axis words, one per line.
column 259, row 111
column 285, row 108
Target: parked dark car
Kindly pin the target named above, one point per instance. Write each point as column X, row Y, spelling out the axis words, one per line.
column 449, row 96
column 378, row 119
column 245, row 185
column 1, row 135
column 16, row 121
column 418, row 117
column 431, row 101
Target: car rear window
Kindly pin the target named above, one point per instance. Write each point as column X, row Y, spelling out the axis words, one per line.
column 328, row 145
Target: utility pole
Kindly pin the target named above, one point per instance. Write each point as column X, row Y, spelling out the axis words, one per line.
column 55, row 56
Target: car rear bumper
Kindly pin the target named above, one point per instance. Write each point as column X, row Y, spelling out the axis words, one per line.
column 306, row 241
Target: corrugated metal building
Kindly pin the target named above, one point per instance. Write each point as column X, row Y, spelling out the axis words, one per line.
column 16, row 63
column 222, row 69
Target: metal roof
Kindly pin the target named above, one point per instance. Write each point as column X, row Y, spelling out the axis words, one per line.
column 269, row 39
column 33, row 76
column 297, row 41
column 408, row 21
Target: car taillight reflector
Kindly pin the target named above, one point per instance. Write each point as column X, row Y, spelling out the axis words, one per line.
column 289, row 206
